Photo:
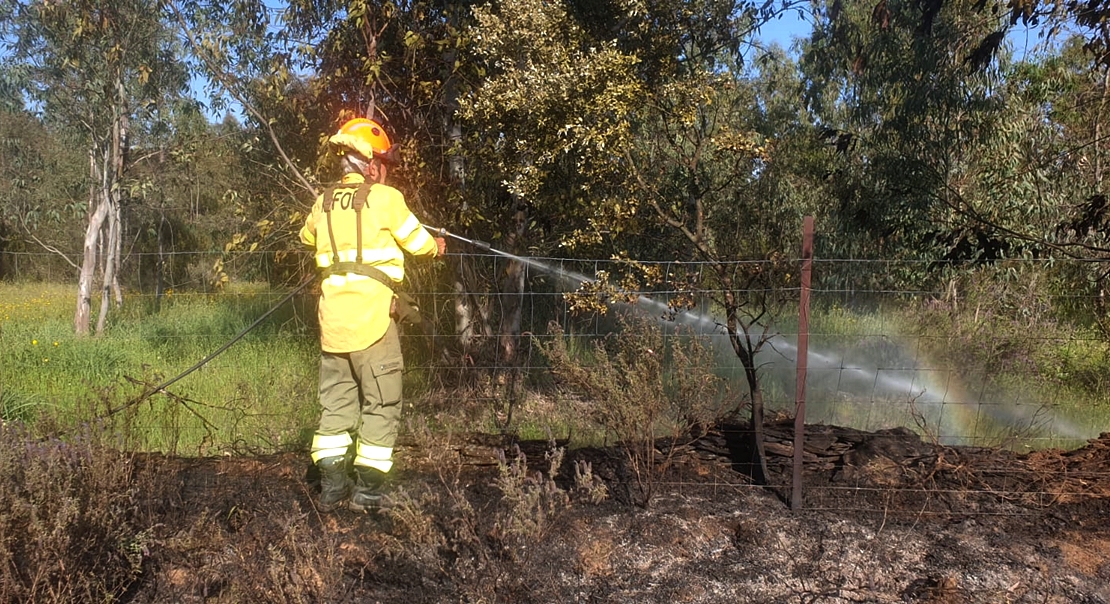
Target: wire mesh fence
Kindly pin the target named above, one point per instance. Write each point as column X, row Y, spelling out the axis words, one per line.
column 969, row 360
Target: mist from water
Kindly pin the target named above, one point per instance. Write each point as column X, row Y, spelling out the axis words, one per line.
column 888, row 384
column 883, row 383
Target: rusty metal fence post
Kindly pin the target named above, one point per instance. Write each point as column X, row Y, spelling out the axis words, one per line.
column 803, row 353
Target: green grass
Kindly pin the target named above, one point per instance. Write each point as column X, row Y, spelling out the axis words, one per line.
column 259, row 395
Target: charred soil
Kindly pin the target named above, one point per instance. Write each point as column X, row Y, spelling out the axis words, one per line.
column 886, row 517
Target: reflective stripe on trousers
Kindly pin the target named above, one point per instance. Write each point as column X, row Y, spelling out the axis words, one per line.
column 330, row 445
column 380, row 458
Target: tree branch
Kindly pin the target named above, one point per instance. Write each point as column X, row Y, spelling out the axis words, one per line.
column 222, row 78
column 51, row 249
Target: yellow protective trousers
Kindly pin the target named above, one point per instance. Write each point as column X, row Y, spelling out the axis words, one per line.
column 360, row 393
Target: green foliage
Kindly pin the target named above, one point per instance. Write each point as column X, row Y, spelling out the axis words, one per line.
column 1006, row 323
column 186, row 195
column 15, row 406
column 1092, row 17
column 591, row 113
column 79, row 53
column 43, row 194
column 551, row 95
column 185, row 192
column 1082, row 364
column 905, row 116
column 945, row 150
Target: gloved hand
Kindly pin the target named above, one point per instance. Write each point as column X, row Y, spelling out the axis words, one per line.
column 441, row 246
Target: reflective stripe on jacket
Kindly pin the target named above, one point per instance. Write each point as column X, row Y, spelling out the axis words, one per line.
column 354, row 309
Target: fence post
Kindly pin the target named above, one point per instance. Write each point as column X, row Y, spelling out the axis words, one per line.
column 803, row 353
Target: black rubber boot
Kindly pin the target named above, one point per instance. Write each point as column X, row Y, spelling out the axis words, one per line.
column 369, row 489
column 335, row 485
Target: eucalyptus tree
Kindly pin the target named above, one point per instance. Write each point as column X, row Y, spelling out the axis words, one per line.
column 1065, row 156
column 1072, row 89
column 913, row 99
column 949, row 153
column 94, row 67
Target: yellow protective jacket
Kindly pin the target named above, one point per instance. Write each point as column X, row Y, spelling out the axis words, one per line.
column 354, row 308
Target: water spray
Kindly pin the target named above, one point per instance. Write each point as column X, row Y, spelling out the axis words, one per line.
column 533, row 262
column 886, row 383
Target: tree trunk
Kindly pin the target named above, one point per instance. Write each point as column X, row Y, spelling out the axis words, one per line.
column 741, row 345
column 757, row 423
column 464, row 322
column 111, row 261
column 113, row 242
column 512, row 291
column 82, row 314
column 466, row 308
column 1098, row 124
column 103, row 235
column 471, row 314
column 82, row 317
column 122, row 154
column 160, row 266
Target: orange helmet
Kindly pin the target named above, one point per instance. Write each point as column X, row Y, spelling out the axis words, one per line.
column 366, row 137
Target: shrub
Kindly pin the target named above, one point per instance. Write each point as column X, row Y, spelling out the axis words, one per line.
column 532, row 498
column 68, row 517
column 480, row 545
column 643, row 387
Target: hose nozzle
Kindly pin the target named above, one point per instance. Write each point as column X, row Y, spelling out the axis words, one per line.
column 442, row 232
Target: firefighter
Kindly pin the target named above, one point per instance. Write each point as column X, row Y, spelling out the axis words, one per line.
column 359, row 230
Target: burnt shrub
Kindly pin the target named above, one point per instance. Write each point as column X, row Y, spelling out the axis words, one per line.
column 68, row 519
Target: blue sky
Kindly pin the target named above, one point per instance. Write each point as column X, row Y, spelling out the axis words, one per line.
column 784, row 29
column 793, row 24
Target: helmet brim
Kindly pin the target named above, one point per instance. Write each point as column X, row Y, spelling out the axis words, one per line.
column 360, row 146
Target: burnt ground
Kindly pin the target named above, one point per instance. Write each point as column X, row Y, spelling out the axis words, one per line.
column 886, row 518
